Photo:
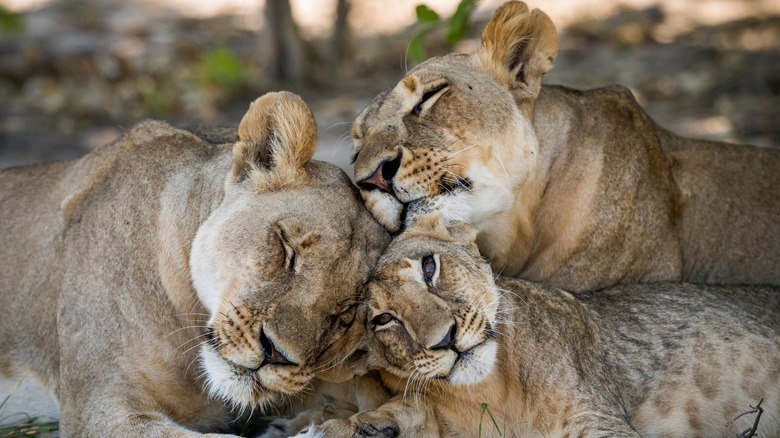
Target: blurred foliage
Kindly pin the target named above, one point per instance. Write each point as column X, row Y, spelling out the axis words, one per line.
column 157, row 98
column 428, row 19
column 219, row 67
column 10, row 22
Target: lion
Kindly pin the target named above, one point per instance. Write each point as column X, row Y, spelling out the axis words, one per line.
column 465, row 352
column 164, row 286
column 577, row 189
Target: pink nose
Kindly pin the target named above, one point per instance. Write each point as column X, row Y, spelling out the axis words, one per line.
column 377, row 181
column 382, row 178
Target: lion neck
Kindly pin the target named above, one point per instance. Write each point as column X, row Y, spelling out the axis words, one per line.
column 188, row 199
column 539, row 234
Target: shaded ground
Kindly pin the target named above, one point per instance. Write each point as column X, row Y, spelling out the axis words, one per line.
column 70, row 82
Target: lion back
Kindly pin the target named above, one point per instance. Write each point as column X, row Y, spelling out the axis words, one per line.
column 50, row 211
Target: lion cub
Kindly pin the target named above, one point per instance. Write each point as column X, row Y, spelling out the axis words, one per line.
column 466, row 353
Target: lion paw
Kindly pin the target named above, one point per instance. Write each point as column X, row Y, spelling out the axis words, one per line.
column 357, row 426
column 307, row 420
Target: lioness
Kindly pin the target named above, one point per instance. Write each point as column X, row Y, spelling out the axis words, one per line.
column 579, row 189
column 465, row 353
column 161, row 284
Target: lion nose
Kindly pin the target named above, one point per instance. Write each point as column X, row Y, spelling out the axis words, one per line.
column 448, row 341
column 382, row 178
column 272, row 355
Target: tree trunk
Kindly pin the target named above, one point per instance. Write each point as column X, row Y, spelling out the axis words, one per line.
column 287, row 58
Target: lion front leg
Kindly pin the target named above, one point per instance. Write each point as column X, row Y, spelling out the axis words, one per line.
column 154, row 426
column 284, row 427
column 334, row 401
column 398, row 417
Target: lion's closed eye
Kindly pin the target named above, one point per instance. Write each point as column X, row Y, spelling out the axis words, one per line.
column 289, row 251
column 428, row 95
column 347, row 314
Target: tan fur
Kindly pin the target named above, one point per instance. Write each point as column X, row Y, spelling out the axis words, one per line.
column 651, row 360
column 137, row 282
column 579, row 189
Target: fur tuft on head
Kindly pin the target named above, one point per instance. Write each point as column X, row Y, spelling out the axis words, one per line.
column 278, row 135
column 433, row 226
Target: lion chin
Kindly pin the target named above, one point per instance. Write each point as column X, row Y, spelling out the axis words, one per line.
column 244, row 387
column 231, row 383
column 475, row 365
column 395, row 215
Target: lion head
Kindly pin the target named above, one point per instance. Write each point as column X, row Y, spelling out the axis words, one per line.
column 432, row 307
column 440, row 136
column 279, row 264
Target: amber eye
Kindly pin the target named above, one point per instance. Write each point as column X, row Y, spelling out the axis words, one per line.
column 383, row 319
column 429, row 268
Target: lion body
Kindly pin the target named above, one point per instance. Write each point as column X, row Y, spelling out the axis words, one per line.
column 578, row 189
column 82, row 314
column 97, row 294
column 625, row 200
column 651, row 360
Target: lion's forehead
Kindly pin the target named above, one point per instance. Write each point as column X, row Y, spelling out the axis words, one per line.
column 475, row 107
column 396, row 99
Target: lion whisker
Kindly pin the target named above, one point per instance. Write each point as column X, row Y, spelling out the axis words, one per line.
column 185, row 328
column 195, row 346
column 190, row 314
column 462, row 150
column 501, row 162
column 447, row 146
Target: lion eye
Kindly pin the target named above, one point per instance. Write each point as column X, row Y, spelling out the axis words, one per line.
column 429, row 268
column 383, row 319
column 427, row 95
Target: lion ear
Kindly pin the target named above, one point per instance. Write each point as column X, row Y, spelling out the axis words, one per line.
column 518, row 47
column 277, row 133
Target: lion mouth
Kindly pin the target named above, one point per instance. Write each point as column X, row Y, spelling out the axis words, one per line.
column 473, row 365
column 246, row 379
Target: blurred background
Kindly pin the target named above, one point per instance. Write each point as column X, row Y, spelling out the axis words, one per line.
column 75, row 73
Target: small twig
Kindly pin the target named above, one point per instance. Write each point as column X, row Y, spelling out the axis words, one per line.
column 750, row 432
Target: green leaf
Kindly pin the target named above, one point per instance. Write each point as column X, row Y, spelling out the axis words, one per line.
column 460, row 22
column 10, row 22
column 426, row 15
column 219, row 66
column 416, row 47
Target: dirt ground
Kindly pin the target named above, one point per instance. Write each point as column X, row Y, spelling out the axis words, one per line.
column 70, row 83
